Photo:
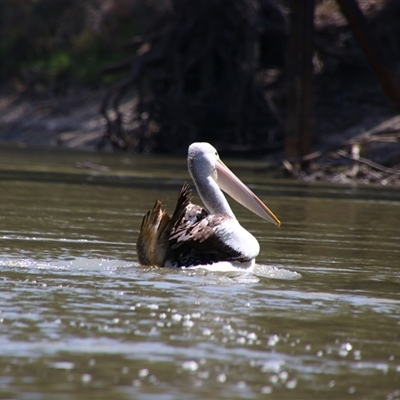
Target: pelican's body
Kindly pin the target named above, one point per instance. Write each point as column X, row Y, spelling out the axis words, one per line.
column 194, row 235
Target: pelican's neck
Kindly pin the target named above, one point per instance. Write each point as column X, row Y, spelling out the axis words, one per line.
column 211, row 195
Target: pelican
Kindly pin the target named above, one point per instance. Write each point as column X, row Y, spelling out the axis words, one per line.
column 203, row 236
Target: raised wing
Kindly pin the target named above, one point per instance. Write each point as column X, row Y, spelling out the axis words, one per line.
column 194, row 236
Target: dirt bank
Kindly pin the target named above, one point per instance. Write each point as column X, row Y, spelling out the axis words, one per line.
column 358, row 146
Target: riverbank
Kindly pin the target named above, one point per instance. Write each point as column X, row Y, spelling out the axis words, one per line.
column 72, row 121
column 363, row 147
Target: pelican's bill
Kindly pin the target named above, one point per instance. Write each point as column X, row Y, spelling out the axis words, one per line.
column 233, row 186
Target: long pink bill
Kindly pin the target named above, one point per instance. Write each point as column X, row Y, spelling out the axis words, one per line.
column 233, row 186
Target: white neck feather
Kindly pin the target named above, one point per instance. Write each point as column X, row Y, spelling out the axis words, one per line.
column 211, row 195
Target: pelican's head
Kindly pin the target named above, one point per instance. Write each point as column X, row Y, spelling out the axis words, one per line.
column 204, row 161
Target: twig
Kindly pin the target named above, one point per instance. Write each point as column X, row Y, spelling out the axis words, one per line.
column 370, row 163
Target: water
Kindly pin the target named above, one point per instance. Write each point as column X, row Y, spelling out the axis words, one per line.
column 318, row 319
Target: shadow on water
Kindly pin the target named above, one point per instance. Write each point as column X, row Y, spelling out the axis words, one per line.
column 318, row 318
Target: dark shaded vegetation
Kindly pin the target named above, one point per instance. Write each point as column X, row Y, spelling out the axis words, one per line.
column 50, row 47
column 179, row 71
column 216, row 71
column 202, row 75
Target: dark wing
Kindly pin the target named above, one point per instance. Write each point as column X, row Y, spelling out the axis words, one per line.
column 193, row 240
column 186, row 238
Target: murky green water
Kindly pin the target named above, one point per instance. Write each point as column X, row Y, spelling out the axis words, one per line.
column 79, row 319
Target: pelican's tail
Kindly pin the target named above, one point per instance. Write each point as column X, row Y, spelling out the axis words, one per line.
column 152, row 245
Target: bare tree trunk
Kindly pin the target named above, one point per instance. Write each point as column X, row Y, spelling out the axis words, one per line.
column 298, row 136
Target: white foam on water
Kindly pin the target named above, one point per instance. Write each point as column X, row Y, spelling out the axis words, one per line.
column 252, row 272
column 275, row 272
